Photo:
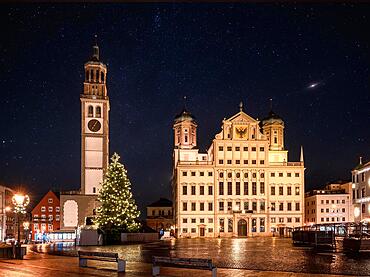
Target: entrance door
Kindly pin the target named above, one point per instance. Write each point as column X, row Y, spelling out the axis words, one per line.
column 242, row 228
column 202, row 231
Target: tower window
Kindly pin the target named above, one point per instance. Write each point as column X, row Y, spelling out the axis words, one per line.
column 90, row 112
column 98, row 111
column 87, row 76
column 91, row 75
column 275, row 139
column 186, row 138
column 102, row 76
column 96, row 76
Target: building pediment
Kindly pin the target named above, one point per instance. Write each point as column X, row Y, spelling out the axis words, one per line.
column 241, row 118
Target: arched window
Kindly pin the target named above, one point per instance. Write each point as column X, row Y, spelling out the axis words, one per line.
column 87, row 76
column 90, row 111
column 91, row 75
column 97, row 76
column 98, row 111
column 102, row 77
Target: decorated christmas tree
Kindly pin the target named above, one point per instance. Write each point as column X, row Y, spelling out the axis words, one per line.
column 118, row 211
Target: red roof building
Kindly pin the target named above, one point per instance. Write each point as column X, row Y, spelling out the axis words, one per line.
column 46, row 216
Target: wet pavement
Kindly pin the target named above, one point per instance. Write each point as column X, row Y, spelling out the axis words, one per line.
column 259, row 254
column 44, row 265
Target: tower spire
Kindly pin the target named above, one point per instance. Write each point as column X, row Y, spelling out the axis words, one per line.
column 96, row 49
column 301, row 159
column 241, row 106
column 270, row 104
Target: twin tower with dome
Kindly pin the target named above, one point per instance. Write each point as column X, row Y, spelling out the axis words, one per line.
column 242, row 186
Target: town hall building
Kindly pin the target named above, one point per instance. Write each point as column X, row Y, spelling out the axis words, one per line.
column 244, row 185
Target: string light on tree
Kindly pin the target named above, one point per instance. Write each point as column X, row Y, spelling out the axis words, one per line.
column 118, row 210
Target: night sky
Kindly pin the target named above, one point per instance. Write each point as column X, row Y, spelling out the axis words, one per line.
column 312, row 60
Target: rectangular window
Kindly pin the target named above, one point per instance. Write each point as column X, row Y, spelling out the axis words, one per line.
column 262, row 187
column 237, row 161
column 193, row 206
column 281, row 219
column 289, row 220
column 246, row 206
column 254, row 162
column 193, row 173
column 50, row 209
column 297, row 219
column 229, row 206
column 210, row 230
column 262, row 149
column 273, row 220
column 297, row 207
column 43, row 209
column 297, row 191
column 229, row 148
column 272, row 174
column 281, row 206
column 254, row 188
column 220, row 148
column 192, row 190
column 262, row 162
column 184, row 206
column 184, row 220
column 245, row 161
column 184, row 190
column 201, row 190
column 50, row 200
column 245, row 148
column 193, row 230
column 230, row 225
column 229, row 188
column 221, row 161
column 184, row 230
column 210, row 173
column 296, row 174
column 289, row 191
column 262, row 225
column 201, row 206
column 262, row 206
column 201, row 173
column 210, row 220
column 272, row 190
column 254, row 148
column 222, row 225
column 272, row 206
column 289, row 174
column 322, row 210
column 280, row 174
column 289, row 208
column 254, row 225
column 210, row 206
column 210, row 190
column 281, row 190
column 237, row 148
column 254, row 206
column 184, row 173
column 221, row 188
column 228, row 161
column 57, row 209
column 221, row 206
column 245, row 188
column 237, row 188
column 201, row 220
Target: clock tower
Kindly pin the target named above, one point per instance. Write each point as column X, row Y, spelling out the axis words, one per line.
column 94, row 125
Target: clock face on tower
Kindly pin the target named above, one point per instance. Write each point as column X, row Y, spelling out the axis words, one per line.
column 94, row 125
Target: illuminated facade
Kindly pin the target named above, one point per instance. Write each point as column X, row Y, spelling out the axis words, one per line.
column 79, row 207
column 330, row 205
column 361, row 192
column 159, row 215
column 243, row 185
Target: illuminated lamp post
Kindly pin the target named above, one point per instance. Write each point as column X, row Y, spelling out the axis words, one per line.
column 20, row 203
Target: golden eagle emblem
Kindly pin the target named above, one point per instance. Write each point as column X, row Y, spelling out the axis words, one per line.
column 241, row 131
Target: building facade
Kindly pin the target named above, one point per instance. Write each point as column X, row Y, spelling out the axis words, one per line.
column 243, row 185
column 79, row 207
column 46, row 216
column 361, row 192
column 7, row 222
column 330, row 205
column 159, row 215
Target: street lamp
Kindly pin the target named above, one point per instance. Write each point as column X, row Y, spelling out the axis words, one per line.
column 20, row 203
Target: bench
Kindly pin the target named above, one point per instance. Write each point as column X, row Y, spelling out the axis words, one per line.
column 205, row 264
column 83, row 256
